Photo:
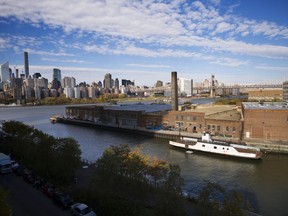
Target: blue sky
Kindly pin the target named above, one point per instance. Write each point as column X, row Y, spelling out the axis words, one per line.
column 239, row 41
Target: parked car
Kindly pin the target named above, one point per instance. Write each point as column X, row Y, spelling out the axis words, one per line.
column 62, row 199
column 48, row 189
column 18, row 170
column 81, row 209
column 28, row 176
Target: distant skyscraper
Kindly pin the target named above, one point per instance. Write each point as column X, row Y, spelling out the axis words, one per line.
column 26, row 65
column 68, row 82
column 127, row 82
column 186, row 86
column 107, row 81
column 159, row 83
column 56, row 74
column 36, row 75
column 4, row 73
column 116, row 83
column 100, row 84
column 17, row 73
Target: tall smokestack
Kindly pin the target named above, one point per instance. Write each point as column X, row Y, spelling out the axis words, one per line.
column 174, row 91
column 26, row 65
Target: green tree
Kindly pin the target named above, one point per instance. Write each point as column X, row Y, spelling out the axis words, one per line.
column 215, row 200
column 51, row 158
column 127, row 174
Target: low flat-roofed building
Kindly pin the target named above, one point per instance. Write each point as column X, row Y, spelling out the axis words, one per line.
column 265, row 94
column 218, row 120
column 265, row 121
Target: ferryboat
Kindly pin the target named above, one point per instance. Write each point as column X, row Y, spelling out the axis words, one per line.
column 206, row 144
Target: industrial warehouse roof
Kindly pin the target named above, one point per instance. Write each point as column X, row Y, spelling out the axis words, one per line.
column 212, row 109
column 265, row 105
column 140, row 107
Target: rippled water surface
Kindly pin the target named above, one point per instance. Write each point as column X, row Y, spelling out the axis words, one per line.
column 264, row 182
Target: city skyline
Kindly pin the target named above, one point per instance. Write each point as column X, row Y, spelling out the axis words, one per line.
column 238, row 41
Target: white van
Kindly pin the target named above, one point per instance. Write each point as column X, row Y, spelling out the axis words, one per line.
column 5, row 164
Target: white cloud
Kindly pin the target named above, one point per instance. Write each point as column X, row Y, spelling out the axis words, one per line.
column 272, row 68
column 45, row 53
column 62, row 60
column 148, row 66
column 159, row 28
column 3, row 43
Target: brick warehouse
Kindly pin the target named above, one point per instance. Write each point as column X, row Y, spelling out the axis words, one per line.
column 219, row 120
column 265, row 121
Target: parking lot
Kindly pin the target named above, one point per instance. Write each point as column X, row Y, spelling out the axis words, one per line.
column 26, row 200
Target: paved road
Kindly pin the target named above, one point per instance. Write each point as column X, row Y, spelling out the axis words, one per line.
column 25, row 200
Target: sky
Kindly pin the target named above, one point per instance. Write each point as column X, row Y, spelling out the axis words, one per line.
column 239, row 41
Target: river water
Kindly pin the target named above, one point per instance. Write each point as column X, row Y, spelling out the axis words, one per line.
column 264, row 182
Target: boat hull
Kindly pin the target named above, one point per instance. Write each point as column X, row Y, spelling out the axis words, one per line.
column 228, row 150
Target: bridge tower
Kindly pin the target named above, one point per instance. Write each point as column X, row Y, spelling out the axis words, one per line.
column 212, row 89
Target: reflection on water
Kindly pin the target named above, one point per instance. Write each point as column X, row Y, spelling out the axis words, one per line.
column 264, row 182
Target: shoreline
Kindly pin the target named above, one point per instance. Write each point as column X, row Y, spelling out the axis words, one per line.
column 265, row 146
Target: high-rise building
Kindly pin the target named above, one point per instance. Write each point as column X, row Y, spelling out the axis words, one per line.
column 127, row 82
column 41, row 83
column 36, row 75
column 186, row 86
column 68, row 82
column 116, row 83
column 107, row 81
column 56, row 74
column 285, row 91
column 26, row 65
column 159, row 83
column 4, row 73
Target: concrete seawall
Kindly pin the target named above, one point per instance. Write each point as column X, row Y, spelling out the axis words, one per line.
column 267, row 146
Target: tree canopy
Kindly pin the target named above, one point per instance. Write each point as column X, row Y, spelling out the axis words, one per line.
column 52, row 158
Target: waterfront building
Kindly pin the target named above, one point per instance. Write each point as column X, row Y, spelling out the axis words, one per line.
column 4, row 73
column 55, row 84
column 218, row 120
column 68, row 82
column 83, row 91
column 26, row 65
column 285, row 91
column 29, row 93
column 41, row 82
column 56, row 74
column 53, row 93
column 265, row 121
column 29, row 82
column 224, row 121
column 185, row 86
column 91, row 92
column 37, row 91
column 69, row 92
column 77, row 92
